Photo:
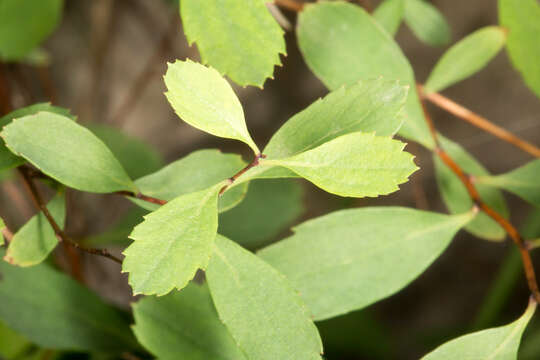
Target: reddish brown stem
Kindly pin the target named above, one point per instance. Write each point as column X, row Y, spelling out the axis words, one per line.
column 290, row 5
column 142, row 197
column 232, row 179
column 5, row 98
column 8, row 235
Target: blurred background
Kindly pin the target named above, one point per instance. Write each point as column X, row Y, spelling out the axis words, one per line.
column 107, row 60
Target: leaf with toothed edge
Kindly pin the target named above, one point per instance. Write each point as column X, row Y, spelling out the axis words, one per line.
column 172, row 243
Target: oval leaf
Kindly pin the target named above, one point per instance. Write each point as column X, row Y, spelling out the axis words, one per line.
column 263, row 313
column 390, row 14
column 172, row 243
column 240, row 38
column 356, row 165
column 427, row 23
column 466, row 58
column 205, row 100
column 349, row 259
column 66, row 152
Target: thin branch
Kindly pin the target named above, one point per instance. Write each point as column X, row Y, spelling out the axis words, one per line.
column 290, row 5
column 143, row 197
column 232, row 179
column 5, row 98
column 8, row 235
column 467, row 180
column 480, row 122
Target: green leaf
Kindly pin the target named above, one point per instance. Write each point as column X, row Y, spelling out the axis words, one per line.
column 183, row 325
column 523, row 181
column 500, row 343
column 522, row 19
column 194, row 172
column 356, row 165
column 349, row 259
column 66, row 152
column 427, row 23
column 172, row 243
column 466, row 58
column 456, row 197
column 55, row 312
column 269, row 208
column 239, row 38
column 263, row 313
column 2, row 227
column 205, row 100
column 24, row 24
column 36, row 239
column 12, row 345
column 137, row 157
column 389, row 15
column 333, row 53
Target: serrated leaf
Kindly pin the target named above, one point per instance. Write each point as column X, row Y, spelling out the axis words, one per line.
column 500, row 343
column 66, row 152
column 333, row 52
column 456, row 197
column 25, row 24
column 269, row 208
column 55, row 312
column 522, row 19
column 194, row 172
column 349, row 259
column 36, row 239
column 184, row 325
column 523, row 181
column 137, row 157
column 465, row 58
column 263, row 313
column 172, row 243
column 205, row 100
column 427, row 22
column 389, row 15
column 356, row 165
column 239, row 38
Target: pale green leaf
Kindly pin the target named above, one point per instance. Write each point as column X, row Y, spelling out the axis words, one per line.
column 523, row 181
column 205, row 100
column 183, row 325
column 359, row 48
column 26, row 23
column 349, row 259
column 457, row 198
column 36, row 239
column 427, row 22
column 263, row 313
column 356, row 165
column 389, row 15
column 55, row 312
column 269, row 208
column 66, row 152
column 239, row 38
column 172, row 243
column 194, row 172
column 2, row 227
column 522, row 20
column 466, row 58
column 500, row 343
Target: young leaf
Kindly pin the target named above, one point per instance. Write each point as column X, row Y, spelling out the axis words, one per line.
column 349, row 259
column 205, row 100
column 240, row 38
column 172, row 243
column 466, row 58
column 357, row 49
column 66, row 152
column 55, row 312
column 197, row 171
column 251, row 224
column 427, row 23
column 389, row 15
column 356, row 165
column 264, row 315
column 183, row 325
column 522, row 19
column 500, row 343
column 456, row 197
column 523, row 181
column 36, row 239
column 25, row 24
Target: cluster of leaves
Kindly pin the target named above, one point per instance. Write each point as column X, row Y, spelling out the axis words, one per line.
column 260, row 305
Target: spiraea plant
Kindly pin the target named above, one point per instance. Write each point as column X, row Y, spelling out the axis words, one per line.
column 202, row 293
